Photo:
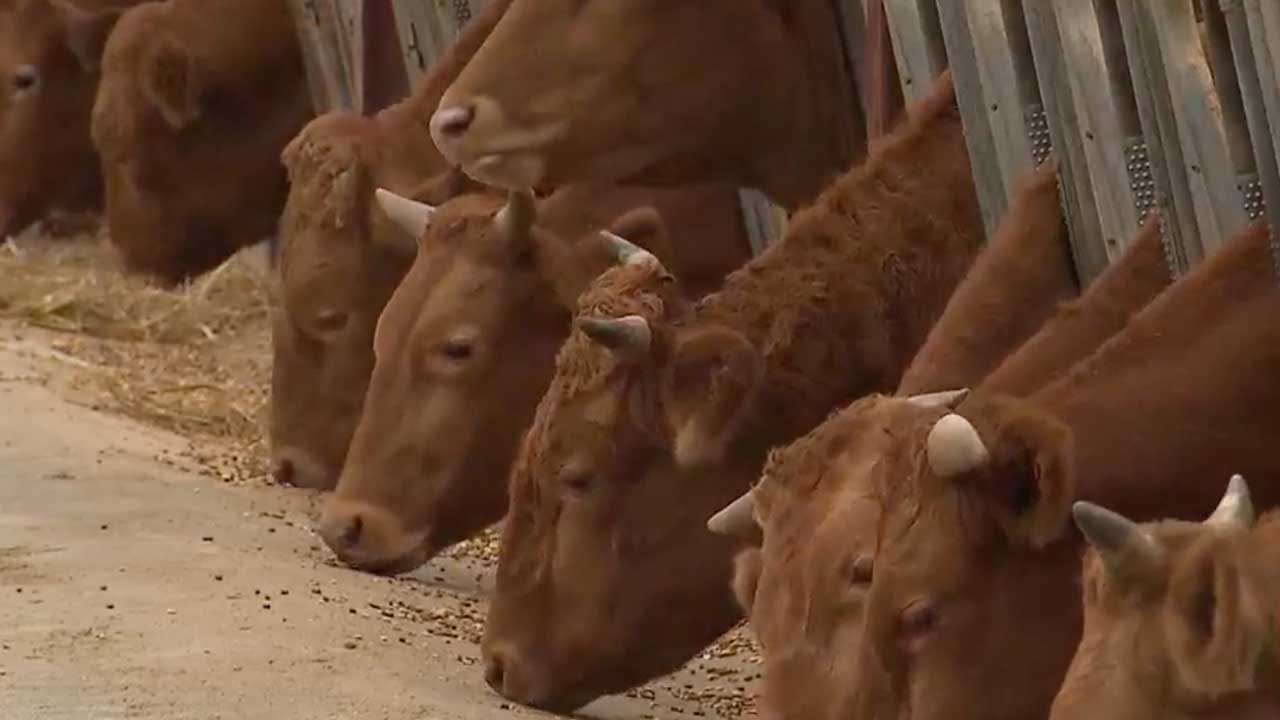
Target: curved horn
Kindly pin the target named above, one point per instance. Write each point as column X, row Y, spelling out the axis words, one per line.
column 954, row 447
column 626, row 252
column 517, row 216
column 630, row 334
column 1236, row 507
column 947, row 398
column 410, row 215
column 737, row 519
column 1117, row 539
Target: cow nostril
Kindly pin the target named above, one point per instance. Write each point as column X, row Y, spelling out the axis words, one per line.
column 453, row 121
column 495, row 673
column 351, row 533
column 283, row 473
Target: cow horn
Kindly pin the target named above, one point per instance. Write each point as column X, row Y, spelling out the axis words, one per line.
column 630, row 334
column 1116, row 538
column 737, row 519
column 946, row 398
column 626, row 252
column 1236, row 507
column 410, row 215
column 954, row 447
column 517, row 216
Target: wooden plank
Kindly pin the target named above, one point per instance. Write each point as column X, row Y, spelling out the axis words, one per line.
column 1263, row 21
column 1174, row 203
column 424, row 33
column 1197, row 115
column 764, row 221
column 329, row 70
column 383, row 79
column 1235, row 121
column 986, row 81
column 1073, row 179
column 917, row 44
column 1098, row 110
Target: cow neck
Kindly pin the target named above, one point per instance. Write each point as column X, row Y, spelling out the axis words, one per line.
column 1165, row 411
column 843, row 302
column 825, row 133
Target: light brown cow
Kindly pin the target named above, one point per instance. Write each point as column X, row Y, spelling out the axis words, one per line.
column 50, row 54
column 975, row 567
column 753, row 92
column 467, row 345
column 1180, row 618
column 197, row 99
column 340, row 260
column 605, row 581
column 805, row 589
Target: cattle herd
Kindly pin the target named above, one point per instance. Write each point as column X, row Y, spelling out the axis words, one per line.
column 940, row 478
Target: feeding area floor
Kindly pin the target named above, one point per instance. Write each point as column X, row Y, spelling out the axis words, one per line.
column 148, row 571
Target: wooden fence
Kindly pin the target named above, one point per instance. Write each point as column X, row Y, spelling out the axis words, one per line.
column 1171, row 106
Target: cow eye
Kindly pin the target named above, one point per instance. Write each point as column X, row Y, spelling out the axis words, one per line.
column 456, row 350
column 859, row 569
column 578, row 483
column 26, row 78
column 919, row 619
column 331, row 321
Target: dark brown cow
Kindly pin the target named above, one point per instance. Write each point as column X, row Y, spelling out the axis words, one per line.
column 50, row 54
column 467, row 346
column 196, row 101
column 604, row 580
column 804, row 591
column 340, row 261
column 974, row 583
column 1180, row 618
column 753, row 92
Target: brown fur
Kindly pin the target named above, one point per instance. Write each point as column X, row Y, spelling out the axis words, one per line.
column 1191, row 634
column 1014, row 285
column 603, row 581
column 46, row 156
column 197, row 99
column 430, row 459
column 1079, row 327
column 339, row 254
column 759, row 90
column 1185, row 392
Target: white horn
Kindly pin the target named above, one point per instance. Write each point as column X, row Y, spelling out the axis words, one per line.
column 410, row 215
column 954, row 447
column 737, row 519
column 1120, row 542
column 947, row 398
column 1236, row 507
column 625, row 251
column 629, row 335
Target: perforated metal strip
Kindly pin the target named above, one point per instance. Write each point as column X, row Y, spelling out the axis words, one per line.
column 1038, row 133
column 1251, row 191
column 1142, row 183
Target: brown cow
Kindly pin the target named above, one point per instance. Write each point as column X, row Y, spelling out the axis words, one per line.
column 975, row 567
column 197, row 99
column 1180, row 618
column 429, row 462
column 50, row 53
column 340, row 261
column 753, row 92
column 804, row 590
column 603, row 581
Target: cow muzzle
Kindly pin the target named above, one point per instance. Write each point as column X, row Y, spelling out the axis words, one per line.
column 371, row 539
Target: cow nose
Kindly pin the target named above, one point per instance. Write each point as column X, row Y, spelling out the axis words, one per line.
column 283, row 472
column 451, row 123
column 292, row 465
column 342, row 532
column 495, row 673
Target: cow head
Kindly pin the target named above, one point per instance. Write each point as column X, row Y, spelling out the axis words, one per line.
column 973, row 585
column 50, row 54
column 805, row 588
column 655, row 90
column 1179, row 617
column 608, row 574
column 464, row 350
column 340, row 259
column 189, row 124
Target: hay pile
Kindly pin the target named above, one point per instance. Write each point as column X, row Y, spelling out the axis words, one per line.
column 195, row 360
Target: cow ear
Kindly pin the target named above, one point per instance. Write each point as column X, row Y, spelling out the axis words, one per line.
column 1022, row 469
column 1217, row 626
column 168, row 81
column 713, row 376
column 87, row 34
column 747, row 567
